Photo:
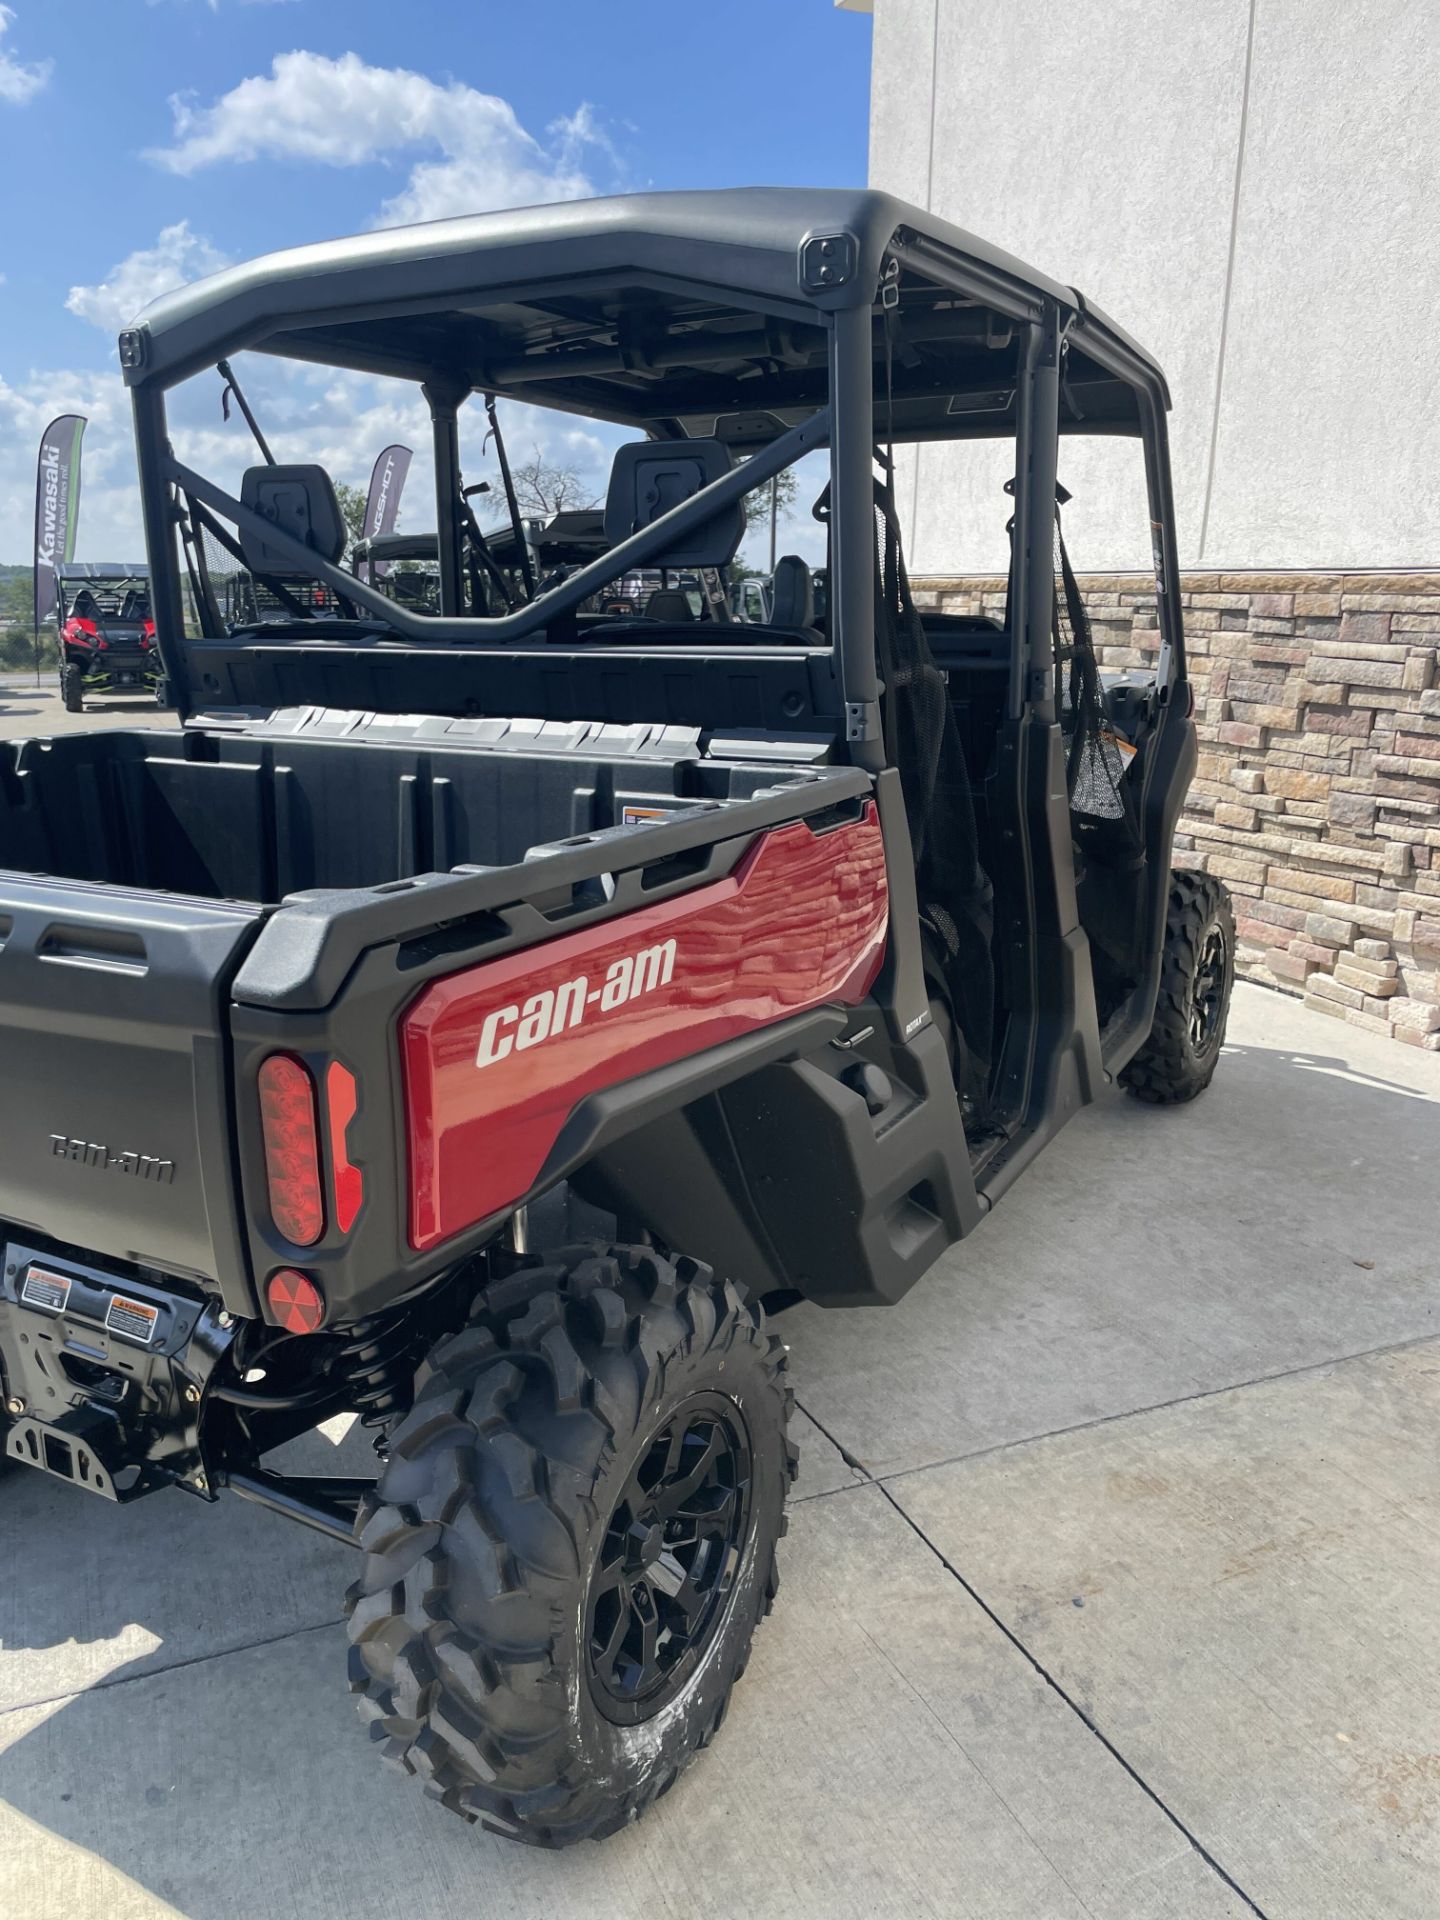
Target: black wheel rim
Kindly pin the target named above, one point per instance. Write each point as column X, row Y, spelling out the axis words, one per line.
column 1207, row 991
column 669, row 1559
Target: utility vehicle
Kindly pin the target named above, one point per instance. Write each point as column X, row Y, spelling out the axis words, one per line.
column 107, row 637
column 477, row 1021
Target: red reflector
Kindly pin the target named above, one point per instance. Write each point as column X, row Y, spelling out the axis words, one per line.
column 347, row 1179
column 292, row 1149
column 296, row 1303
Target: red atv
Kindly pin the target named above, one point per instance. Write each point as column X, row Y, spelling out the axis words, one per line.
column 107, row 637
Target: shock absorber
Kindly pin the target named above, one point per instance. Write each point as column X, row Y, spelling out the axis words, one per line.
column 377, row 1362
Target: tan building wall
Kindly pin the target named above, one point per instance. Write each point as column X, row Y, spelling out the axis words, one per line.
column 1317, row 798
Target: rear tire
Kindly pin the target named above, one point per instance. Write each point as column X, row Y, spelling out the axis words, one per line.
column 72, row 688
column 1197, row 973
column 573, row 1542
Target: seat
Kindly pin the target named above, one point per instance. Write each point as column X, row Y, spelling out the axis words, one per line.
column 792, row 602
column 651, row 477
column 301, row 501
column 669, row 604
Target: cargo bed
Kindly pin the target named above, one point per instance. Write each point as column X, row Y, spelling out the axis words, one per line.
column 315, row 800
column 174, row 905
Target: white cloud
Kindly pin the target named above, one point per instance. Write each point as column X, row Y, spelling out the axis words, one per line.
column 340, row 420
column 19, row 83
column 176, row 257
column 110, row 521
column 472, row 152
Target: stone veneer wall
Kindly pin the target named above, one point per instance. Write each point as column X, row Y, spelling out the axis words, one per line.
column 1317, row 797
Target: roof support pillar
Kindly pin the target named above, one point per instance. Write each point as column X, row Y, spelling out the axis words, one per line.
column 1032, row 675
column 444, row 398
column 852, row 531
column 157, row 508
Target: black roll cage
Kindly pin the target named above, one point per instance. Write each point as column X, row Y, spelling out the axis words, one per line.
column 855, row 321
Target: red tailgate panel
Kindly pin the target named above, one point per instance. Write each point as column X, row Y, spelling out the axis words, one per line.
column 497, row 1058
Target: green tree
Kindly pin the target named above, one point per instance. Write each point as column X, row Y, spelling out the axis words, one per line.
column 352, row 507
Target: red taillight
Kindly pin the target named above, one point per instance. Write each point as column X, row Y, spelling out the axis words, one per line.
column 292, row 1148
column 77, row 628
column 347, row 1181
column 295, row 1302
column 147, row 635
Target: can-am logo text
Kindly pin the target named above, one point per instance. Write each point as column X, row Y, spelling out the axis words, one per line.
column 554, row 1010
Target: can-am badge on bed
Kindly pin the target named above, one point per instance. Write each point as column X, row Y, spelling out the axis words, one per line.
column 800, row 923
column 554, row 1010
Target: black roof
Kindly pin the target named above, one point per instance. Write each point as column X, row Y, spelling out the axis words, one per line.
column 528, row 300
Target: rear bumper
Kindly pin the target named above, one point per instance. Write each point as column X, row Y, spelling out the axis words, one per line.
column 102, row 1374
column 106, row 671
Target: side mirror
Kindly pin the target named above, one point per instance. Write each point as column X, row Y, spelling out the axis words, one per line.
column 299, row 501
column 650, row 477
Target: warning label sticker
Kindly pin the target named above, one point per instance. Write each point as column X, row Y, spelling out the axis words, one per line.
column 48, row 1290
column 133, row 1318
column 636, row 816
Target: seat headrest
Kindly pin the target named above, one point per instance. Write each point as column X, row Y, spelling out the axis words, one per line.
column 669, row 603
column 650, row 477
column 792, row 594
column 301, row 501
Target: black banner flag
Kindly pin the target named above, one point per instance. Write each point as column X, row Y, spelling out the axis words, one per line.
column 382, row 505
column 57, row 510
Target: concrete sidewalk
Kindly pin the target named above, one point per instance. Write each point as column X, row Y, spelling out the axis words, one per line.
column 1111, row 1588
column 28, row 709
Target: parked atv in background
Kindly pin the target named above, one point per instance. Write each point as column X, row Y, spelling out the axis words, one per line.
column 107, row 635
column 480, row 1011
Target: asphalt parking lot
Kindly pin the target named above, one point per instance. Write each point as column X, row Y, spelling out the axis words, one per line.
column 1111, row 1586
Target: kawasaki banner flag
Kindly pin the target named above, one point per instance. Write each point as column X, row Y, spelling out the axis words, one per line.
column 57, row 510
column 382, row 506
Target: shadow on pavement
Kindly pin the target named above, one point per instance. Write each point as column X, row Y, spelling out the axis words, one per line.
column 1284, row 1219
column 224, row 1769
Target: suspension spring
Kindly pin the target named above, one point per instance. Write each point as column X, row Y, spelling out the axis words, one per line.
column 377, row 1363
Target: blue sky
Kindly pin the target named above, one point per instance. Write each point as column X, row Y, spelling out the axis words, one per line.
column 162, row 138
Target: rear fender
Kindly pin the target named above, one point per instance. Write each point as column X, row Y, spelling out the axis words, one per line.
column 808, row 1172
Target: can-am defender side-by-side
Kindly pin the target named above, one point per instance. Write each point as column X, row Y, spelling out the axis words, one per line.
column 107, row 637
column 476, row 1017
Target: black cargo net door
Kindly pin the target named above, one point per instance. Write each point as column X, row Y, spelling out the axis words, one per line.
column 1095, row 760
column 923, row 743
